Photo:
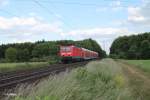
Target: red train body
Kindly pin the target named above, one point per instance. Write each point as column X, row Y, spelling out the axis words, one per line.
column 73, row 53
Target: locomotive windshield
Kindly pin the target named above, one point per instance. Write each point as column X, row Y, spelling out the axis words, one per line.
column 65, row 49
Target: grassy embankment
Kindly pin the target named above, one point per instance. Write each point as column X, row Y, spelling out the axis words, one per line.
column 5, row 67
column 137, row 72
column 99, row 80
column 142, row 64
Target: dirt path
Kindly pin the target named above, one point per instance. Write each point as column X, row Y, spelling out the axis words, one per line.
column 139, row 83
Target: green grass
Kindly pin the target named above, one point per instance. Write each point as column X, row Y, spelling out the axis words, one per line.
column 142, row 64
column 5, row 67
column 99, row 80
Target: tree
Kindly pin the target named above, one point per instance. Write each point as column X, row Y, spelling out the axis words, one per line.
column 103, row 54
column 133, row 52
column 11, row 54
column 41, row 50
column 23, row 55
column 132, row 47
column 145, row 49
column 53, row 49
column 120, row 45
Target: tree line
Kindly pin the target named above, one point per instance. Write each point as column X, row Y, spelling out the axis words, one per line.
column 131, row 47
column 42, row 50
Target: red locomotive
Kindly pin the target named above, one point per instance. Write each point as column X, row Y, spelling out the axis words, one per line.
column 73, row 53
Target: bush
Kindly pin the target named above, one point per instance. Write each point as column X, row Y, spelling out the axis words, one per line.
column 3, row 60
column 53, row 59
column 36, row 60
column 11, row 54
column 49, row 59
column 114, row 56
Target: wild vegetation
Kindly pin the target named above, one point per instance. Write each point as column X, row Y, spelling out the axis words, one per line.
column 131, row 47
column 99, row 80
column 42, row 50
column 5, row 67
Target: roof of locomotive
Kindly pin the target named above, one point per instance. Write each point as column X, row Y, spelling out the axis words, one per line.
column 89, row 50
column 70, row 45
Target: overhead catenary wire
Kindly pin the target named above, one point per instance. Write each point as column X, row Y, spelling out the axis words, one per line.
column 50, row 12
column 83, row 4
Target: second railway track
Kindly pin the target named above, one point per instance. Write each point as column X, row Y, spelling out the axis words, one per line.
column 11, row 80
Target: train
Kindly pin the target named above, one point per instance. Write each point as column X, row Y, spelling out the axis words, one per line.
column 72, row 53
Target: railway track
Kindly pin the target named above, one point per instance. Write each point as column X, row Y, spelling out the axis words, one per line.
column 10, row 80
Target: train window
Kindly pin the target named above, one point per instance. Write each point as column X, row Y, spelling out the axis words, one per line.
column 66, row 49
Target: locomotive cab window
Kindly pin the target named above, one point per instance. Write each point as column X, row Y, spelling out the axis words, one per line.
column 65, row 49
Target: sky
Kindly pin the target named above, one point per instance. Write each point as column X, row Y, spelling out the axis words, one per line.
column 101, row 20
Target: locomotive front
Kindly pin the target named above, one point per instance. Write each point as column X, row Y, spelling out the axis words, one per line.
column 66, row 53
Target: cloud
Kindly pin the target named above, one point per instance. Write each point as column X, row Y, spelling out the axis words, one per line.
column 114, row 6
column 100, row 32
column 135, row 15
column 140, row 15
column 9, row 23
column 23, row 29
column 27, row 26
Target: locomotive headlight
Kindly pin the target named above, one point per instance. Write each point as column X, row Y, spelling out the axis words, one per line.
column 66, row 54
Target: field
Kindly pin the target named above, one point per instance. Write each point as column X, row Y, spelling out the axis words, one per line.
column 142, row 64
column 4, row 67
column 137, row 74
column 99, row 80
